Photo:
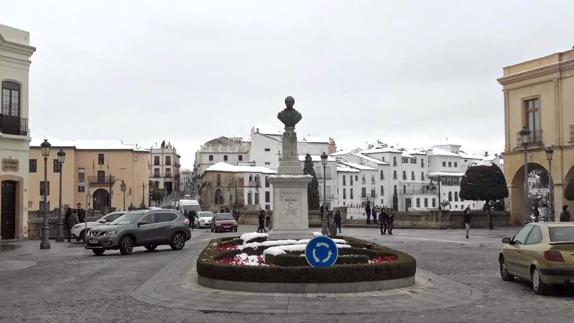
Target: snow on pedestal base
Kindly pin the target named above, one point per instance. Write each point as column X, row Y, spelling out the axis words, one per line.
column 290, row 209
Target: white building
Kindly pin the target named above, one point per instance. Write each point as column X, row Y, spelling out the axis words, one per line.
column 15, row 53
column 230, row 150
column 164, row 168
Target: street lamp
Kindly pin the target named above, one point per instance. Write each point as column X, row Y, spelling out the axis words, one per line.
column 549, row 152
column 123, row 189
column 45, row 244
column 324, row 219
column 60, row 229
column 524, row 135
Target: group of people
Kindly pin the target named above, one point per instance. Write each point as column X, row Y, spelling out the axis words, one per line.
column 542, row 212
column 383, row 215
column 73, row 217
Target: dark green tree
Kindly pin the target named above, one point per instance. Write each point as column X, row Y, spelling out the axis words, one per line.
column 569, row 192
column 157, row 195
column 313, row 187
column 395, row 200
column 483, row 183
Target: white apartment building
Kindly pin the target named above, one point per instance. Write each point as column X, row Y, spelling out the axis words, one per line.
column 164, row 168
column 230, row 150
column 15, row 53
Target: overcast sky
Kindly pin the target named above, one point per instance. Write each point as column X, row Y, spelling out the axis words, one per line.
column 408, row 72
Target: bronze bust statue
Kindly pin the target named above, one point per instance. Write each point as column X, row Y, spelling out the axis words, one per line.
column 289, row 116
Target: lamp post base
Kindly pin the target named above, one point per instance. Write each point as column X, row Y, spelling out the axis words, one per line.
column 45, row 245
column 60, row 233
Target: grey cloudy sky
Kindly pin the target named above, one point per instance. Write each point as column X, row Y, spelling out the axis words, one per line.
column 407, row 72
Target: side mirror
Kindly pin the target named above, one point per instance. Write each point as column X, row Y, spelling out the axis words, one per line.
column 103, row 221
column 507, row 240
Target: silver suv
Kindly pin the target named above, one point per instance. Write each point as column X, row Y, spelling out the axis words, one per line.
column 148, row 228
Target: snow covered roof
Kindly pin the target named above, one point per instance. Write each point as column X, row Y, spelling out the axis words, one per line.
column 416, row 152
column 311, row 139
column 407, row 155
column 381, row 150
column 357, row 166
column 228, row 168
column 470, row 156
column 346, row 152
column 437, row 174
column 88, row 144
column 441, row 152
column 266, row 130
column 317, row 158
column 371, row 159
column 346, row 169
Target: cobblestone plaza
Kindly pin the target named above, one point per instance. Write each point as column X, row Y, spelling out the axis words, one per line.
column 69, row 284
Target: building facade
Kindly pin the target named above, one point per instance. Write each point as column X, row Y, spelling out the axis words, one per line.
column 230, row 150
column 538, row 95
column 98, row 174
column 15, row 53
column 164, row 170
column 226, row 186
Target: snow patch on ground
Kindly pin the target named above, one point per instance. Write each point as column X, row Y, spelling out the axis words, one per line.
column 280, row 250
column 252, row 235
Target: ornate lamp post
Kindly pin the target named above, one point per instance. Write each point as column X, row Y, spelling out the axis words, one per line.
column 123, row 189
column 324, row 219
column 60, row 229
column 549, row 152
column 524, row 135
column 45, row 244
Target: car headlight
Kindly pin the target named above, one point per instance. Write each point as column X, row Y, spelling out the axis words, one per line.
column 110, row 233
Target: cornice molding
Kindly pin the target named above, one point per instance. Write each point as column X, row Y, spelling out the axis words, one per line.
column 537, row 72
column 16, row 48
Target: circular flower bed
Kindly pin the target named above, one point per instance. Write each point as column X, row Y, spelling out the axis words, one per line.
column 253, row 258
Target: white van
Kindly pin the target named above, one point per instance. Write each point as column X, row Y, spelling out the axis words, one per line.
column 185, row 206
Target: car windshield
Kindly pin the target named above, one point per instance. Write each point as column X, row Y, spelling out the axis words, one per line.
column 561, row 234
column 205, row 214
column 224, row 216
column 128, row 218
column 112, row 216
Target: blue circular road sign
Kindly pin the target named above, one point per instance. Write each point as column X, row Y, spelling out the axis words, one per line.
column 321, row 251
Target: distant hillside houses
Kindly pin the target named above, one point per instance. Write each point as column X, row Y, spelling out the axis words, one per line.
column 352, row 176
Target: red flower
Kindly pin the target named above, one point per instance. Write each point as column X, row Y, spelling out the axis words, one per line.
column 383, row 259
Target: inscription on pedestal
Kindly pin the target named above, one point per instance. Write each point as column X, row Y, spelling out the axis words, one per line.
column 291, row 206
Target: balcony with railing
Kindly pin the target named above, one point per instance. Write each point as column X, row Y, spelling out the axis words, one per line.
column 101, row 180
column 12, row 125
column 534, row 138
column 571, row 140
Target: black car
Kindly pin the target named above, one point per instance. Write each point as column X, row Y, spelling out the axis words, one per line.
column 148, row 228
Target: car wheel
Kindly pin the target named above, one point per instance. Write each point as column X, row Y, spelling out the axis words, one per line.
column 504, row 274
column 126, row 245
column 98, row 252
column 177, row 241
column 235, row 229
column 212, row 229
column 537, row 284
column 150, row 247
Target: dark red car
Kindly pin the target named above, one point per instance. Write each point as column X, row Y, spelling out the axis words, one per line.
column 223, row 222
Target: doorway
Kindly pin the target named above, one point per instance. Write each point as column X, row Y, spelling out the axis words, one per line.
column 101, row 200
column 8, row 216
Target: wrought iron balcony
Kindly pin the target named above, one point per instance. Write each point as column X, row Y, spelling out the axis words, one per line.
column 13, row 125
column 534, row 138
column 101, row 180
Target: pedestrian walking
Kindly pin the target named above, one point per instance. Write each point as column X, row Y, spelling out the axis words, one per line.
column 368, row 211
column 81, row 213
column 268, row 220
column 535, row 212
column 261, row 222
column 565, row 215
column 467, row 218
column 70, row 219
column 338, row 221
column 383, row 222
column 390, row 222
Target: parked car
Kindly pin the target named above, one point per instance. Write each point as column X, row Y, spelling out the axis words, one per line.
column 148, row 228
column 223, row 222
column 203, row 219
column 79, row 230
column 542, row 253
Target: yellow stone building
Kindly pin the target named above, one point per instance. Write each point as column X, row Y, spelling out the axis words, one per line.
column 539, row 95
column 90, row 171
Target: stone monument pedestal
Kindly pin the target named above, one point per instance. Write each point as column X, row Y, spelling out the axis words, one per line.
column 290, row 209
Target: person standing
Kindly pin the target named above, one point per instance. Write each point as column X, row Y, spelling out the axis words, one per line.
column 467, row 217
column 565, row 215
column 268, row 220
column 535, row 212
column 543, row 210
column 261, row 222
column 383, row 222
column 338, row 220
column 368, row 211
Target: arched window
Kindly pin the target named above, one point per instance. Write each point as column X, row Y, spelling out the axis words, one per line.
column 10, row 99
